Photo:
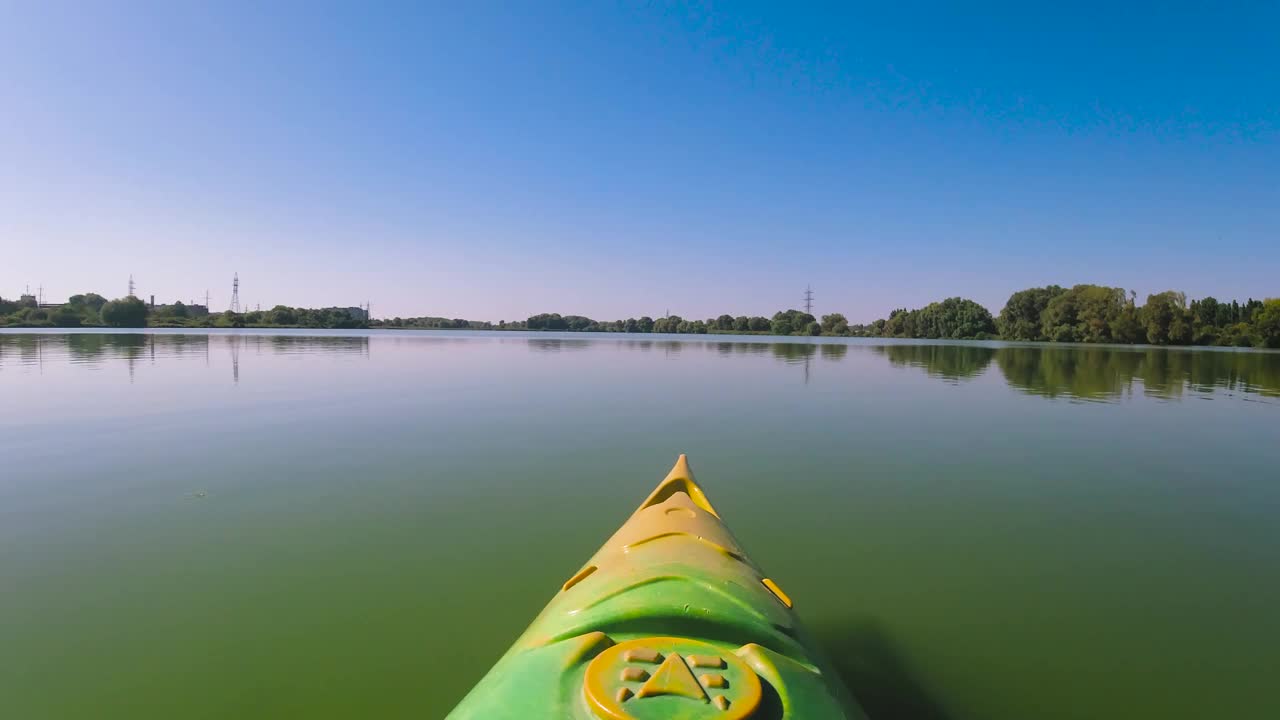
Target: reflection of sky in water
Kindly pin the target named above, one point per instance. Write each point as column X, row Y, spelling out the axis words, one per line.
column 1073, row 372
column 958, row 527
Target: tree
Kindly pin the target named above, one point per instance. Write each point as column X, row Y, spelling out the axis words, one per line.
column 1266, row 324
column 757, row 324
column 92, row 302
column 577, row 323
column 65, row 316
column 285, row 315
column 954, row 318
column 1020, row 318
column 724, row 322
column 1164, row 317
column 1085, row 313
column 835, row 323
column 741, row 323
column 544, row 321
column 788, row 322
column 125, row 312
column 1127, row 327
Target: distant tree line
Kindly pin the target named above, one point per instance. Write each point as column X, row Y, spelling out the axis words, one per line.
column 432, row 323
column 93, row 310
column 1094, row 314
column 951, row 319
column 1083, row 313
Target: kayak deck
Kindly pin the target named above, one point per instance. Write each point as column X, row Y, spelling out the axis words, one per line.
column 669, row 620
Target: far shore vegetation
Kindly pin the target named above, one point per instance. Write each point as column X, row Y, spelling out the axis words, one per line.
column 1083, row 313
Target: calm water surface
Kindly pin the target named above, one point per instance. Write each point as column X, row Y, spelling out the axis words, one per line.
column 352, row 525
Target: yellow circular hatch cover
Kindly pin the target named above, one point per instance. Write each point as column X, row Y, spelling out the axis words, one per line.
column 666, row 678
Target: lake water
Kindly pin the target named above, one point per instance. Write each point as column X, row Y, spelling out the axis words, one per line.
column 261, row 525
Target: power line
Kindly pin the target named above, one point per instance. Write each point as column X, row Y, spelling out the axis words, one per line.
column 808, row 300
column 235, row 293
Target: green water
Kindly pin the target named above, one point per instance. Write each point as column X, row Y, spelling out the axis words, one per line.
column 266, row 526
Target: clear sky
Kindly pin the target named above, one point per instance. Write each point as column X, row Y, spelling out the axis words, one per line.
column 494, row 160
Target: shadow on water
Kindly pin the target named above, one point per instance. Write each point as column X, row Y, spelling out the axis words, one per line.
column 874, row 671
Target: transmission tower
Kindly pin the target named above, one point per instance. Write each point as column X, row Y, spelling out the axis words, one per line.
column 206, row 299
column 235, row 293
column 131, row 285
column 808, row 300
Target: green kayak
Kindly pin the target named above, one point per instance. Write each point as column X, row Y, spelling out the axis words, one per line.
column 670, row 620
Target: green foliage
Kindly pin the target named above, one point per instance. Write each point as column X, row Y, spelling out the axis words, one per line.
column 441, row 323
column 1091, row 313
column 283, row 315
column 65, row 316
column 90, row 303
column 1021, row 317
column 125, row 312
column 835, row 324
column 1266, row 324
column 792, row 322
column 1085, row 313
column 954, row 319
column 1166, row 319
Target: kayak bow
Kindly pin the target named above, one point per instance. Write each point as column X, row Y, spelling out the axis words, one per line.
column 670, row 620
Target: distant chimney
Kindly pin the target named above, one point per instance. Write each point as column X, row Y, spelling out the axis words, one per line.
column 153, row 301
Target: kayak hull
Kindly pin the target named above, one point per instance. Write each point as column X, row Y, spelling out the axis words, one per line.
column 669, row 620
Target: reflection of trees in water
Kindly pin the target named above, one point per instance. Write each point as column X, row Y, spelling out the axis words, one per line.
column 327, row 345
column 799, row 352
column 1097, row 373
column 949, row 362
column 94, row 349
column 747, row 348
column 1089, row 373
column 1104, row 373
column 557, row 344
column 834, row 351
column 793, row 352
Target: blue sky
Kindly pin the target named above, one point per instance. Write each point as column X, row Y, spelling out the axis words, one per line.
column 493, row 160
